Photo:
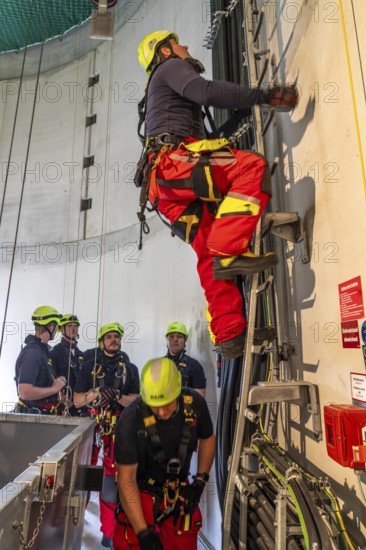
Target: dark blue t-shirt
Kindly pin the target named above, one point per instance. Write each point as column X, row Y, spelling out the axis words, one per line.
column 67, row 362
column 193, row 375
column 34, row 366
column 104, row 372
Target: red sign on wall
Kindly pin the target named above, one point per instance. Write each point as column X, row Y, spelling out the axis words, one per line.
column 350, row 300
column 350, row 334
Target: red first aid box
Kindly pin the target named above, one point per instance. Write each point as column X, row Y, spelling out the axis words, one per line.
column 343, row 430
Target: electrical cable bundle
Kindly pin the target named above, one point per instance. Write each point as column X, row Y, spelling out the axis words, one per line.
column 310, row 504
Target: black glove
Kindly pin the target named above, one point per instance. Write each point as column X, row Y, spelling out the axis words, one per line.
column 282, row 98
column 192, row 494
column 108, row 395
column 149, row 540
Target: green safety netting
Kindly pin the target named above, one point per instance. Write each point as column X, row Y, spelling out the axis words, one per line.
column 26, row 22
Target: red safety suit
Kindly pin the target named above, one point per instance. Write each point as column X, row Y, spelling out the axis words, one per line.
column 177, row 535
column 107, row 503
column 242, row 182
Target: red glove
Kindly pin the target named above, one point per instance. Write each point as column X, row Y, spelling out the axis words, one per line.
column 282, row 98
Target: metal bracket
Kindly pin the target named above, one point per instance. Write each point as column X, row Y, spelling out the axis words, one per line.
column 88, row 161
column 93, row 80
column 102, row 22
column 252, row 415
column 52, row 476
column 298, row 392
column 285, row 225
column 285, row 351
column 85, row 204
column 90, row 119
column 75, row 505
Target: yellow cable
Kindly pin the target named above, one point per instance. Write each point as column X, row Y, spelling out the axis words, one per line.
column 338, row 515
column 353, row 94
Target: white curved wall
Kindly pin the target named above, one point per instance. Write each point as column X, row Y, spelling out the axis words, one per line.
column 89, row 262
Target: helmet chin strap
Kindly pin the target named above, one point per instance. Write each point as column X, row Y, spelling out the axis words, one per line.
column 51, row 333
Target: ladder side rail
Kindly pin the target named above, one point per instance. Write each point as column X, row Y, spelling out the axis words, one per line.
column 248, row 355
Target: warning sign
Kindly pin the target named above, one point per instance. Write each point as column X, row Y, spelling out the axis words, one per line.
column 350, row 300
column 358, row 386
column 350, row 334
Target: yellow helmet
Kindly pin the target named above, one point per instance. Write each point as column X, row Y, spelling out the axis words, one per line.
column 149, row 46
column 69, row 318
column 177, row 327
column 161, row 382
column 44, row 315
column 112, row 327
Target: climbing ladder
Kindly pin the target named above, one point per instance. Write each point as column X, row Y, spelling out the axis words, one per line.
column 289, row 227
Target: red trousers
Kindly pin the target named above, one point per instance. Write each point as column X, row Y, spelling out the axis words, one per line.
column 107, row 497
column 182, row 536
column 239, row 180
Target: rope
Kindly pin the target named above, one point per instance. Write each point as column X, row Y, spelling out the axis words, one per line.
column 16, row 113
column 354, row 105
column 104, row 204
column 21, row 197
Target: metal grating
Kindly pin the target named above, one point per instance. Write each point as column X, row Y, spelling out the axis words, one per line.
column 27, row 22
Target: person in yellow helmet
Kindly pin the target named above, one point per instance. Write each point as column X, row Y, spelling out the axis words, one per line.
column 67, row 358
column 193, row 375
column 105, row 387
column 212, row 194
column 37, row 384
column 155, row 439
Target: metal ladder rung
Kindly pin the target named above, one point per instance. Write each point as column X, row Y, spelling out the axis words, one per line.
column 263, row 72
column 299, row 392
column 264, row 287
column 259, row 24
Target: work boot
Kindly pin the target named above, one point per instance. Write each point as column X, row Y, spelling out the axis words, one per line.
column 107, row 542
column 246, row 264
column 234, row 347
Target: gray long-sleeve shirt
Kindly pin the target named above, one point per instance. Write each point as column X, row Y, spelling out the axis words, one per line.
column 176, row 88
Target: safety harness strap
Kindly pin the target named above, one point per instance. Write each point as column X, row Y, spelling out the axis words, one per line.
column 119, row 378
column 148, row 430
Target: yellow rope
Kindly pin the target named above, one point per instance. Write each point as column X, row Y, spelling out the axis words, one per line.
column 353, row 94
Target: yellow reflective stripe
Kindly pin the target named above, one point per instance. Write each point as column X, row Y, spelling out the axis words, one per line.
column 210, row 186
column 219, row 252
column 206, row 145
column 232, row 205
column 225, row 262
column 190, row 220
column 187, row 522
